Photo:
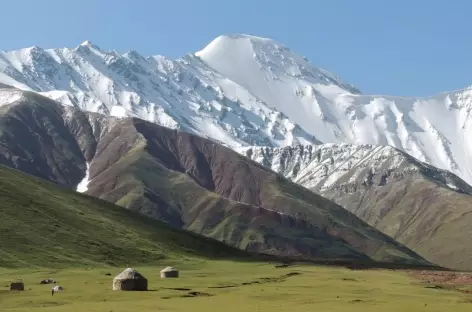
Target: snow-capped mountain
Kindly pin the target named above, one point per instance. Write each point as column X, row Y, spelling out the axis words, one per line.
column 242, row 90
column 347, row 166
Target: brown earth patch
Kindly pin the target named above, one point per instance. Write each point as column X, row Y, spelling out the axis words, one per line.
column 444, row 277
column 446, row 280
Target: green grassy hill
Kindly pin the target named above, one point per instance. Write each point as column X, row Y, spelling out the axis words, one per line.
column 44, row 225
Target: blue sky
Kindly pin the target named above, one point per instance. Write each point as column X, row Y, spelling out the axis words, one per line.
column 415, row 47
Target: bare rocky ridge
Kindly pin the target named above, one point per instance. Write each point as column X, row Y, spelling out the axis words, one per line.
column 425, row 208
column 187, row 181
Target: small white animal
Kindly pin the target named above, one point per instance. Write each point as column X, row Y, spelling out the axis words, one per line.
column 56, row 289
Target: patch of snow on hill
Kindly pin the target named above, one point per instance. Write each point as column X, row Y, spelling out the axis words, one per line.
column 83, row 185
column 9, row 96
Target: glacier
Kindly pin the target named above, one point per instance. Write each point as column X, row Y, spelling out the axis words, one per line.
column 244, row 91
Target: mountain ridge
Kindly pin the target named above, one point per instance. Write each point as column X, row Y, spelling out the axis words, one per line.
column 320, row 166
column 187, row 181
column 421, row 206
column 242, row 91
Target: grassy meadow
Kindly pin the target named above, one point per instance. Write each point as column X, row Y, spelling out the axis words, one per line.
column 230, row 286
column 50, row 232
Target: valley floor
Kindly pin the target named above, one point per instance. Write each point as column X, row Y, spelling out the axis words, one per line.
column 231, row 286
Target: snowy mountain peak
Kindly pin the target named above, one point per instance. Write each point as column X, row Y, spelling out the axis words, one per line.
column 251, row 37
column 235, row 36
column 241, row 57
column 133, row 54
column 90, row 44
column 243, row 43
column 243, row 90
column 35, row 49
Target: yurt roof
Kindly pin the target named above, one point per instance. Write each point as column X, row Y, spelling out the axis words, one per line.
column 129, row 273
column 168, row 269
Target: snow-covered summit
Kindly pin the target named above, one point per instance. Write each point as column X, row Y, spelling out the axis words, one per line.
column 248, row 60
column 243, row 90
column 87, row 43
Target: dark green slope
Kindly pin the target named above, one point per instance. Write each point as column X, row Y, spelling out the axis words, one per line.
column 42, row 224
